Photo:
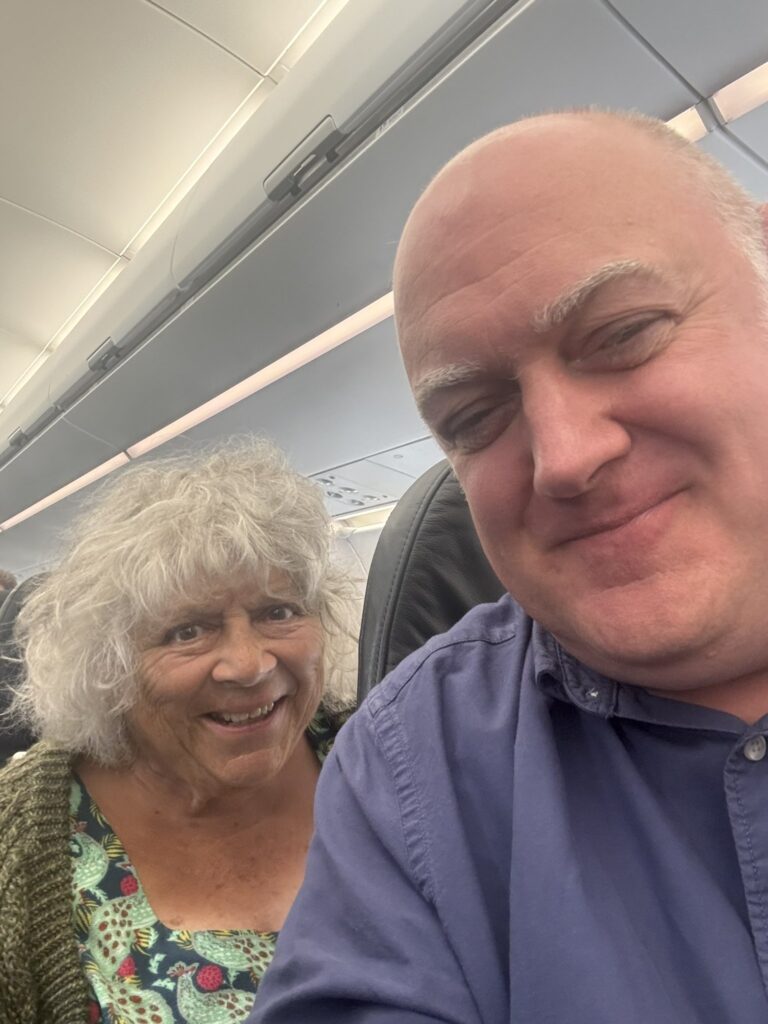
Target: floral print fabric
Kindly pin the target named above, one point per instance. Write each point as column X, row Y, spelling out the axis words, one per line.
column 138, row 970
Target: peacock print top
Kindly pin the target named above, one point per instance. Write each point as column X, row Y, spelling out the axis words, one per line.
column 138, row 970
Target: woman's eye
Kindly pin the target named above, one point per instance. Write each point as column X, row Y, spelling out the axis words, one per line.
column 281, row 613
column 474, row 429
column 184, row 634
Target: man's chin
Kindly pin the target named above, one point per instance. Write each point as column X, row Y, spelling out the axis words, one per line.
column 636, row 646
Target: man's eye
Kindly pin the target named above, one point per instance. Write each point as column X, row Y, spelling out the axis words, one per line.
column 628, row 344
column 474, row 429
column 184, row 634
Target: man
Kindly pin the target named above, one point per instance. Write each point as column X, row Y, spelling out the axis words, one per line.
column 562, row 814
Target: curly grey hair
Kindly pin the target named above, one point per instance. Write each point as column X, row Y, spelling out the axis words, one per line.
column 160, row 537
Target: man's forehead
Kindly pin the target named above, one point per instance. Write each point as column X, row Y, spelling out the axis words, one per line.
column 577, row 169
column 526, row 229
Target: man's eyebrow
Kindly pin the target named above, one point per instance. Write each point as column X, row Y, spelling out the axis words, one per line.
column 573, row 298
column 442, row 379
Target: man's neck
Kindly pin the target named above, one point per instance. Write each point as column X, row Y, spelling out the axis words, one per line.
column 745, row 698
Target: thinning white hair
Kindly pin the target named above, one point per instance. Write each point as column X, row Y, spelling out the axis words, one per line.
column 158, row 538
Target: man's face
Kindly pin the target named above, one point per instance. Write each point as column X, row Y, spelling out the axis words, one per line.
column 586, row 343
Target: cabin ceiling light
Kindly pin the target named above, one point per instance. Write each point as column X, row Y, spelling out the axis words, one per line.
column 689, row 124
column 743, row 95
column 64, row 492
column 337, row 335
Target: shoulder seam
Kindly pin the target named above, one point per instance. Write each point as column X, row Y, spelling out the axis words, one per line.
column 384, row 702
column 410, row 810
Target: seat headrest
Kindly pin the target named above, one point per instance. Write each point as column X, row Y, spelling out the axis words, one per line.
column 428, row 570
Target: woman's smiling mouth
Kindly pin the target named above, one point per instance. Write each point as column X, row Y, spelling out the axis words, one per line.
column 240, row 720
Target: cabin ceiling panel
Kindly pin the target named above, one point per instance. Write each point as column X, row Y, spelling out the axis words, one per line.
column 413, row 459
column 709, row 42
column 340, row 408
column 257, row 31
column 36, row 543
column 344, row 407
column 38, row 472
column 743, row 164
column 45, row 272
column 104, row 104
column 752, row 128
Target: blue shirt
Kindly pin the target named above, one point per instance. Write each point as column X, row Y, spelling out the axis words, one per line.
column 503, row 835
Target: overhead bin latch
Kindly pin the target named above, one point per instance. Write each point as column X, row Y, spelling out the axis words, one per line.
column 18, row 438
column 105, row 356
column 319, row 145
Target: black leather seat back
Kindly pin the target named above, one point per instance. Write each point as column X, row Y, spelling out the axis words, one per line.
column 428, row 570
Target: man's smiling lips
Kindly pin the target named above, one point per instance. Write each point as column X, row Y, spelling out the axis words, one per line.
column 585, row 528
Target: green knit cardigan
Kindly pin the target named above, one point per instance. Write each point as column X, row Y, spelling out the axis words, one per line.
column 41, row 980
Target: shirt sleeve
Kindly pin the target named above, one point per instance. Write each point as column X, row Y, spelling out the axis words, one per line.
column 363, row 941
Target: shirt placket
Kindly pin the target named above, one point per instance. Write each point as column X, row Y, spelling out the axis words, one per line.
column 746, row 790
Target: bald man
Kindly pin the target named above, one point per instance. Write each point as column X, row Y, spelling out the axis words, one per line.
column 558, row 811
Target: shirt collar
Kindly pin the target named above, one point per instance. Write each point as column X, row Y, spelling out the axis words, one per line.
column 558, row 674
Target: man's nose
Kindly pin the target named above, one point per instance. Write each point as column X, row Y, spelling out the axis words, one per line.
column 244, row 656
column 573, row 433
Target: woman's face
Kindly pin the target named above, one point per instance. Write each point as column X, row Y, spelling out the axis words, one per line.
column 228, row 689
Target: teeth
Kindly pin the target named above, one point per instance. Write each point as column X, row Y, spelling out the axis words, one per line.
column 249, row 716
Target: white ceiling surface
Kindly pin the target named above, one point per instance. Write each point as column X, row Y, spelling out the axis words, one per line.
column 256, row 31
column 104, row 106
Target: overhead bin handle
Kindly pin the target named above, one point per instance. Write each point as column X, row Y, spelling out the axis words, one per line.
column 315, row 147
column 18, row 438
column 105, row 356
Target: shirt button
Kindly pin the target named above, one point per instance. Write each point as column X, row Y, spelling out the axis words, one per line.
column 755, row 748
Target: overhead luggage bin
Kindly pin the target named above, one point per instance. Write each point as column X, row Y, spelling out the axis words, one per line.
column 387, row 50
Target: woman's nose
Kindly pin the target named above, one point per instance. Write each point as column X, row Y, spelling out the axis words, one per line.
column 244, row 657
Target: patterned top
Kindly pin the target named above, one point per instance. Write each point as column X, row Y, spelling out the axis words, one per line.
column 138, row 970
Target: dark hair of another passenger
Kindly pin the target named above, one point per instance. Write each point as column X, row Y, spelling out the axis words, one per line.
column 7, row 583
column 13, row 737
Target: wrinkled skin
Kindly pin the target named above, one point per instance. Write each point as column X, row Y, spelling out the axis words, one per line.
column 239, row 654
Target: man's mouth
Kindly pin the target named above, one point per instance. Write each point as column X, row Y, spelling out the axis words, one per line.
column 608, row 524
column 613, row 525
column 238, row 719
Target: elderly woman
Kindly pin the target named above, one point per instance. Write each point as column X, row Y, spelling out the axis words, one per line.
column 184, row 674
